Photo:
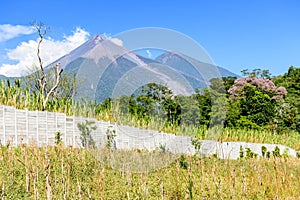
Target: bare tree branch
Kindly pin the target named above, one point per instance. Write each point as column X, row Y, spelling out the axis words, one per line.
column 43, row 83
column 52, row 90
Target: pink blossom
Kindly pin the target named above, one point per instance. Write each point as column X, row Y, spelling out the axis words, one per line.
column 265, row 85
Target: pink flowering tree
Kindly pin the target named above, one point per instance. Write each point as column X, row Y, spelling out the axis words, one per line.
column 266, row 86
column 253, row 102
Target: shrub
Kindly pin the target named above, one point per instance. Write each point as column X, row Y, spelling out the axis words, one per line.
column 241, row 152
column 58, row 139
column 250, row 153
column 183, row 163
column 263, row 151
column 276, row 152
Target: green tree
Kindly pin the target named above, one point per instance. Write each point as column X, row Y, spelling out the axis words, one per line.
column 223, row 84
column 253, row 102
column 257, row 106
column 190, row 111
column 259, row 73
column 290, row 111
column 86, row 129
column 155, row 101
column 204, row 104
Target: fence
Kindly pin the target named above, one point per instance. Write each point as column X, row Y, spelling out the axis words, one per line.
column 39, row 128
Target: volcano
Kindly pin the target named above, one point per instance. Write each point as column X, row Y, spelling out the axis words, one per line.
column 107, row 70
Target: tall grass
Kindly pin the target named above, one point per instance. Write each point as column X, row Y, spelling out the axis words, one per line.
column 12, row 94
column 291, row 139
column 67, row 173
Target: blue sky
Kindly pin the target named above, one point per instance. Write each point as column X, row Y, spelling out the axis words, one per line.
column 236, row 34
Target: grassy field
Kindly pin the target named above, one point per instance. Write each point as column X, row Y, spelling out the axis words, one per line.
column 67, row 173
column 291, row 139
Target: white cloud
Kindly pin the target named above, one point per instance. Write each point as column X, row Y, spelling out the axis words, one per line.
column 25, row 54
column 8, row 31
column 149, row 53
column 117, row 41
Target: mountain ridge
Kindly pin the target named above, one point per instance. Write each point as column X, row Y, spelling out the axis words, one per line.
column 103, row 66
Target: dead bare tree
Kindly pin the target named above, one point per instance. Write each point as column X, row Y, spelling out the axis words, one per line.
column 46, row 84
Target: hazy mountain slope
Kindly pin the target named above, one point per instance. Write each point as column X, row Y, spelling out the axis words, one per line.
column 192, row 68
column 108, row 70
